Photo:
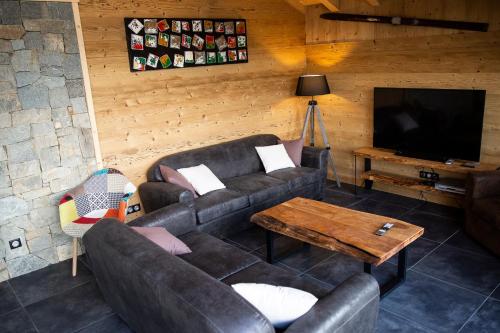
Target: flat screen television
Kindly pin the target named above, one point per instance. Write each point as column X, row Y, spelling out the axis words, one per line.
column 432, row 124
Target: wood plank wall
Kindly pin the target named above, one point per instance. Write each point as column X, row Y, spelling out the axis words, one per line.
column 143, row 116
column 360, row 56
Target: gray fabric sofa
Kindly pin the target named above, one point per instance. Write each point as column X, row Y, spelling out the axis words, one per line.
column 154, row 291
column 249, row 188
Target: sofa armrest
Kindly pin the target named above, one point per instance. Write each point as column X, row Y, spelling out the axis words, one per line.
column 155, row 195
column 314, row 157
column 351, row 307
column 178, row 219
column 483, row 184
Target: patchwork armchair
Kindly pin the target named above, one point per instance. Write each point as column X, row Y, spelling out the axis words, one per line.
column 104, row 194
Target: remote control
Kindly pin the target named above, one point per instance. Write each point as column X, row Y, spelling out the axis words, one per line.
column 384, row 229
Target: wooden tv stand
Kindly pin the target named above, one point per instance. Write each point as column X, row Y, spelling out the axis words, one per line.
column 369, row 176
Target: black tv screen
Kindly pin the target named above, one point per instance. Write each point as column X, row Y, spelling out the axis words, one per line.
column 432, row 124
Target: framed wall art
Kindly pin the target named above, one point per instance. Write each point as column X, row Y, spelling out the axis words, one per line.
column 168, row 43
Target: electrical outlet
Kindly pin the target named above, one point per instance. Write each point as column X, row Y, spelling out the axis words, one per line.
column 134, row 208
column 15, row 243
column 433, row 176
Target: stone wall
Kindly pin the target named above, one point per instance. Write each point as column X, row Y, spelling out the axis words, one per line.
column 46, row 145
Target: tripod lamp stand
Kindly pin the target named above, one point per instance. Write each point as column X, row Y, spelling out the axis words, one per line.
column 314, row 85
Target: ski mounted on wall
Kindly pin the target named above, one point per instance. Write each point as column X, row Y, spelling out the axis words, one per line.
column 396, row 20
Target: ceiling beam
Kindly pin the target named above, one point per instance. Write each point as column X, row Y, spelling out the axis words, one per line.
column 297, row 5
column 329, row 4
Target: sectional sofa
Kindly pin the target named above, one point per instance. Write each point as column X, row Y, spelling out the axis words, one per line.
column 248, row 188
column 154, row 291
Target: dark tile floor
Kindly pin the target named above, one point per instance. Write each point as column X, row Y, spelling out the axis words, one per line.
column 453, row 284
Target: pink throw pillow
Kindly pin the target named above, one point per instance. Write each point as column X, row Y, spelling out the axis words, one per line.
column 164, row 239
column 294, row 149
column 173, row 176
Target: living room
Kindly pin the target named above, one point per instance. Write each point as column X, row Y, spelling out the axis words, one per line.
column 270, row 235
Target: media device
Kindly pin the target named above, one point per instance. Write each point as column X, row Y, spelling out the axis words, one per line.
column 432, row 124
column 451, row 185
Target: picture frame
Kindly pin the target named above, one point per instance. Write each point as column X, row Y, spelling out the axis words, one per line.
column 157, row 43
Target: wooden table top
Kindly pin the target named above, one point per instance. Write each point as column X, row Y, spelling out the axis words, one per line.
column 339, row 229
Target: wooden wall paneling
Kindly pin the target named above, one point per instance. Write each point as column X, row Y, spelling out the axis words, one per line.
column 143, row 116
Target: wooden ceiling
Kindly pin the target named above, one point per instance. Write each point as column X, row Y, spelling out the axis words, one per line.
column 331, row 5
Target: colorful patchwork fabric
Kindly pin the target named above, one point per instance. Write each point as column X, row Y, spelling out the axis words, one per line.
column 104, row 194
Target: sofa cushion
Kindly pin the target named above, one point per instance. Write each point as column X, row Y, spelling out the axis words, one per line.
column 262, row 272
column 164, row 239
column 219, row 203
column 258, row 187
column 294, row 149
column 274, row 157
column 173, row 176
column 202, row 179
column 297, row 177
column 214, row 256
column 488, row 209
column 281, row 305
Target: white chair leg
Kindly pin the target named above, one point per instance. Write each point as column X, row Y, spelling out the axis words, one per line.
column 75, row 251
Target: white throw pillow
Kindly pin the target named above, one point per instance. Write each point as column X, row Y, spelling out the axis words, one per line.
column 202, row 179
column 281, row 305
column 274, row 157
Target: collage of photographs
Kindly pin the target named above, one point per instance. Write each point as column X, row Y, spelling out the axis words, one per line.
column 164, row 43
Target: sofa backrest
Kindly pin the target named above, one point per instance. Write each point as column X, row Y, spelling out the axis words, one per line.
column 226, row 160
column 154, row 291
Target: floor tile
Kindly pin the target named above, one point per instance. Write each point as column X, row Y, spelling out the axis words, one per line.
column 335, row 269
column 340, row 198
column 496, row 293
column 350, row 189
column 239, row 246
column 111, row 324
column 70, row 311
column 433, row 303
column 8, row 300
column 396, row 199
column 416, row 251
column 340, row 267
column 251, row 239
column 442, row 210
column 306, row 258
column 48, row 281
column 16, row 322
column 487, row 319
column 380, row 208
column 288, row 268
column 283, row 247
column 466, row 269
column 390, row 323
column 437, row 228
column 462, row 241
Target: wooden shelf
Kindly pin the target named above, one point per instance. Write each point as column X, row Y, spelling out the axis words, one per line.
column 411, row 183
column 372, row 176
column 390, row 156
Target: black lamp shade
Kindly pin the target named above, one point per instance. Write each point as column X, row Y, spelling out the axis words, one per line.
column 312, row 85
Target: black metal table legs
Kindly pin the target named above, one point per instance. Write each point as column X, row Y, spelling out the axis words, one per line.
column 270, row 255
column 384, row 289
column 269, row 246
column 399, row 279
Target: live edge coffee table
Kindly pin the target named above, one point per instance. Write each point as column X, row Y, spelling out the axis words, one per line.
column 343, row 230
